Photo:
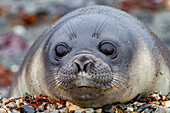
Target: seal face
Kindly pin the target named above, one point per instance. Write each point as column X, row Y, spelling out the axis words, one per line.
column 94, row 56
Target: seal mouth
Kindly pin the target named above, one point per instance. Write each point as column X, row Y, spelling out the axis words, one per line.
column 84, row 87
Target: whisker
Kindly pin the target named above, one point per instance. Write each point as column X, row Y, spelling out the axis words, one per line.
column 66, row 32
column 100, row 28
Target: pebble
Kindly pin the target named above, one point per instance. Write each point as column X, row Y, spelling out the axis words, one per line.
column 98, row 110
column 156, row 96
column 26, row 95
column 108, row 109
column 167, row 103
column 53, row 111
column 146, row 110
column 143, row 100
column 163, row 109
column 19, row 30
column 5, row 110
column 15, row 111
column 122, row 106
column 49, row 105
column 27, row 109
column 79, row 111
column 147, row 105
column 129, row 108
column 18, row 102
column 87, row 110
column 11, row 105
column 41, row 109
column 2, row 110
column 154, row 108
column 139, row 110
column 168, row 97
column 64, row 110
column 4, row 99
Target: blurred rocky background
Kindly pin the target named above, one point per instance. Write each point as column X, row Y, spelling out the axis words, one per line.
column 22, row 21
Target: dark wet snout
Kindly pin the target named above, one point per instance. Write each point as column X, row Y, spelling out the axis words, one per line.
column 83, row 63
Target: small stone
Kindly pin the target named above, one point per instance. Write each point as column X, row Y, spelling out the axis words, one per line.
column 143, row 100
column 154, row 108
column 80, row 111
column 142, row 107
column 27, row 109
column 147, row 105
column 89, row 110
column 138, row 110
column 2, row 110
column 18, row 102
column 167, row 103
column 72, row 107
column 146, row 110
column 41, row 109
column 157, row 97
column 124, row 108
column 15, row 111
column 19, row 30
column 6, row 110
column 48, row 107
column 4, row 99
column 11, row 105
column 168, row 97
column 54, row 106
column 26, row 95
column 150, row 99
column 163, row 97
column 108, row 109
column 98, row 110
column 163, row 110
column 64, row 110
column 121, row 106
column 54, row 111
column 129, row 108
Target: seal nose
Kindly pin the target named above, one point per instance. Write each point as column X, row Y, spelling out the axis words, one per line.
column 83, row 63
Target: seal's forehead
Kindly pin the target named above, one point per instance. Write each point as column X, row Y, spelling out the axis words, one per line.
column 95, row 24
column 88, row 25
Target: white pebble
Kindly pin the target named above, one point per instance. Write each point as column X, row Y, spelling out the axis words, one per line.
column 19, row 30
column 14, row 68
column 167, row 103
column 129, row 108
column 18, row 102
column 156, row 96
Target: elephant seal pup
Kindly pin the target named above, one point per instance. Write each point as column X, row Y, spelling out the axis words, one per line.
column 94, row 56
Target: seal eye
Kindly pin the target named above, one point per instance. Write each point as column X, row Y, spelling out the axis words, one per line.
column 107, row 48
column 61, row 50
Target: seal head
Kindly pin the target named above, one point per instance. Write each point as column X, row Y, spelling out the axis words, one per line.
column 94, row 56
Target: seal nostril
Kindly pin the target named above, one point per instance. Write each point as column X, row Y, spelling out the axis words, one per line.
column 83, row 66
column 87, row 66
column 78, row 67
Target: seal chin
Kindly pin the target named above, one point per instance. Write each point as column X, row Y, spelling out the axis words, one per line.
column 85, row 93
